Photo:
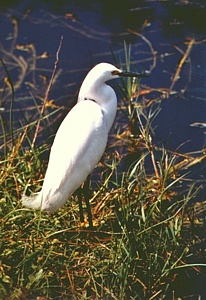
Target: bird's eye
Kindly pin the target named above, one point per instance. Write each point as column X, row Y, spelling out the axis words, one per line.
column 115, row 72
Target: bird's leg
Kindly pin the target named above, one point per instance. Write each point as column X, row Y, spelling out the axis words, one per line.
column 86, row 192
column 79, row 195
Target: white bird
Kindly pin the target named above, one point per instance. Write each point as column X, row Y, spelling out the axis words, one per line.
column 80, row 140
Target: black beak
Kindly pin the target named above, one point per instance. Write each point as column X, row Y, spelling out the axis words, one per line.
column 132, row 74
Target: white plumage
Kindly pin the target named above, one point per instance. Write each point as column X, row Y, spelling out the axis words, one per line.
column 80, row 140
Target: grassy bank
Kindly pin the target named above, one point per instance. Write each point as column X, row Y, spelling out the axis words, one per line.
column 149, row 237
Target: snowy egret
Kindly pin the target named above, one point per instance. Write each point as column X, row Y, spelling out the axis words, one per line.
column 80, row 141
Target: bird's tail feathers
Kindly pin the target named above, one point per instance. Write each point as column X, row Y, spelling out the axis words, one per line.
column 33, row 201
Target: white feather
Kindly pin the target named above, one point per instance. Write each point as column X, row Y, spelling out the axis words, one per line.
column 80, row 141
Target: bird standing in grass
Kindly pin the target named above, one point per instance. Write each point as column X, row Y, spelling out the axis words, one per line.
column 80, row 141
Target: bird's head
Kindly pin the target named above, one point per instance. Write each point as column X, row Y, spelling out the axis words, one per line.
column 93, row 86
column 105, row 71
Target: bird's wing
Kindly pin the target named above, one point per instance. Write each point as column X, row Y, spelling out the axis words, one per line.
column 78, row 146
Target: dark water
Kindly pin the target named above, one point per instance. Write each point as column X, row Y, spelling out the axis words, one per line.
column 92, row 31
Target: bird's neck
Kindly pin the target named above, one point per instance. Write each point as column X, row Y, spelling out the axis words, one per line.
column 104, row 96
